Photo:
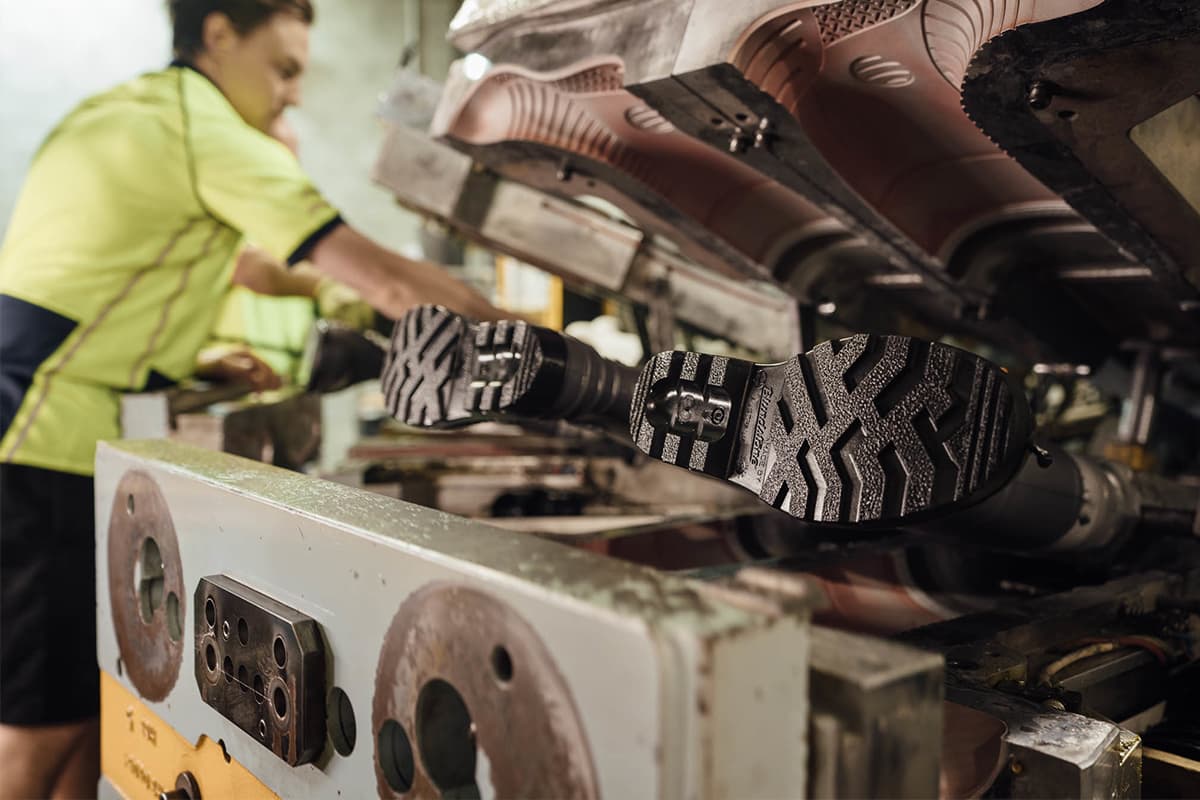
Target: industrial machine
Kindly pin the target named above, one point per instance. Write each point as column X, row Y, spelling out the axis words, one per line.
column 901, row 502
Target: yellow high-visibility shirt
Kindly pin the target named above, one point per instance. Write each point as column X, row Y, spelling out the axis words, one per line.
column 276, row 329
column 118, row 255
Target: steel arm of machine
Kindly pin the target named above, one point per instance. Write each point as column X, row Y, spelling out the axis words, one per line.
column 582, row 245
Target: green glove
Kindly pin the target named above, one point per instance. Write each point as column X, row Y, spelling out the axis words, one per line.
column 340, row 303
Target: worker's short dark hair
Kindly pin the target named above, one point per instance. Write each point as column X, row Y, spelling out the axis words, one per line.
column 187, row 18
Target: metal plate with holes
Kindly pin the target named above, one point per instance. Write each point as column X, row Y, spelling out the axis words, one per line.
column 678, row 690
column 145, row 585
column 262, row 665
column 459, row 666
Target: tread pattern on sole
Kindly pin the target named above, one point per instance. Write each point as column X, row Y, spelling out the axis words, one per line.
column 839, row 20
column 443, row 370
column 502, row 360
column 867, row 429
column 423, row 362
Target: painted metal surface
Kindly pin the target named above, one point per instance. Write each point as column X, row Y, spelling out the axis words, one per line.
column 679, row 691
column 141, row 754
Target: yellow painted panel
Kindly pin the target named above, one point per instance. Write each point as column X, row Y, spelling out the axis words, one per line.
column 142, row 756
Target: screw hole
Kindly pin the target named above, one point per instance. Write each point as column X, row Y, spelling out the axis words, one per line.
column 243, row 631
column 210, row 657
column 279, row 701
column 129, row 504
column 741, row 116
column 446, row 737
column 396, row 756
column 243, row 678
column 148, row 577
column 259, row 691
column 174, row 618
column 225, row 629
column 1067, row 114
column 502, row 663
column 280, row 653
column 210, row 612
column 340, row 722
column 717, row 122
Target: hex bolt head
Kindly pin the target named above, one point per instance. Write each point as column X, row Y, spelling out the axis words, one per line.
column 1041, row 95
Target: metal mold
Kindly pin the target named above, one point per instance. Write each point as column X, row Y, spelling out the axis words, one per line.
column 480, row 698
column 713, row 694
column 877, row 709
column 261, row 664
column 583, row 245
column 145, row 585
column 1080, row 102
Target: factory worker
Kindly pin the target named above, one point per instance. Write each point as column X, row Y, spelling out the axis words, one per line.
column 115, row 261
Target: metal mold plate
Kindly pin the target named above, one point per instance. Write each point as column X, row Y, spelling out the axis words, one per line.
column 523, row 718
column 261, row 664
column 146, row 589
column 679, row 693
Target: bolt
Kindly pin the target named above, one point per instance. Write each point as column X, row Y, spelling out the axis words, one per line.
column 186, row 788
column 1043, row 456
column 1041, row 94
column 1017, row 767
column 763, row 134
column 565, row 171
column 738, row 142
column 225, row 629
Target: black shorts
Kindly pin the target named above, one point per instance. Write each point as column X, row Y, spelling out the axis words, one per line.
column 48, row 672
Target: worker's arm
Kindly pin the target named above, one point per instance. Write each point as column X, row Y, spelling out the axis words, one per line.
column 392, row 283
column 260, row 273
column 257, row 271
column 255, row 184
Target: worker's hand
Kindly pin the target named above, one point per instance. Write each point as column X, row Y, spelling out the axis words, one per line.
column 238, row 366
column 339, row 303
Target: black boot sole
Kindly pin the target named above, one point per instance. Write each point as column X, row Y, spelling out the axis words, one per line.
column 885, row 430
column 444, row 370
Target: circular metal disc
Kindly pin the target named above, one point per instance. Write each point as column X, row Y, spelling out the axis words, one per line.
column 529, row 740
column 151, row 656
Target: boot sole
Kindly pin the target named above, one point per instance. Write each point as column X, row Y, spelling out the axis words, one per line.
column 869, row 429
column 444, row 370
